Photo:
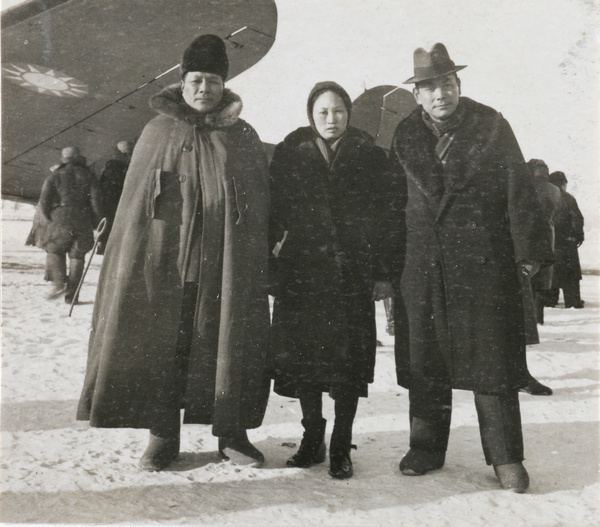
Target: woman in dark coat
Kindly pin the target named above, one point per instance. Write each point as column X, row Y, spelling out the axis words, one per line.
column 326, row 181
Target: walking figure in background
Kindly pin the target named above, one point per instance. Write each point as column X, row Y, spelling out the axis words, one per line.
column 111, row 184
column 472, row 225
column 181, row 317
column 69, row 208
column 568, row 225
column 329, row 188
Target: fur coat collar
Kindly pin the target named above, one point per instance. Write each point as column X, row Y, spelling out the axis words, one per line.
column 415, row 144
column 169, row 102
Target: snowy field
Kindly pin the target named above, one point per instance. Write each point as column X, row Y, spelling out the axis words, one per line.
column 57, row 470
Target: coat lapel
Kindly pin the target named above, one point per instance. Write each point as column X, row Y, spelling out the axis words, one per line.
column 471, row 145
column 416, row 152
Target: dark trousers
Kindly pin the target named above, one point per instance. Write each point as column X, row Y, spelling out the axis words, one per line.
column 499, row 421
column 571, row 293
column 169, row 424
column 346, row 403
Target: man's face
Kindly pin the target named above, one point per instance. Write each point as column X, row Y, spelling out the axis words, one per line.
column 438, row 97
column 202, row 91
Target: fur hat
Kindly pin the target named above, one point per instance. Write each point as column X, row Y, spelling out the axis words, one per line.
column 322, row 87
column 558, row 178
column 207, row 54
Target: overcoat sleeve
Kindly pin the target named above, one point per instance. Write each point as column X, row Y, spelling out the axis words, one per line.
column 528, row 228
column 47, row 198
column 398, row 211
column 378, row 200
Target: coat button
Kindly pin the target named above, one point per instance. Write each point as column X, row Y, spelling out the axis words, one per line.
column 433, row 263
column 181, row 178
column 472, row 225
column 480, row 260
column 187, row 148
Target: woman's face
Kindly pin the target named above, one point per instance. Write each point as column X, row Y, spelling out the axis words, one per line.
column 330, row 115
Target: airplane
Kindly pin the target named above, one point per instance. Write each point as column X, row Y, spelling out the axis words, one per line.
column 81, row 73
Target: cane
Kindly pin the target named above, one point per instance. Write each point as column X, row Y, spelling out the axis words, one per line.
column 100, row 230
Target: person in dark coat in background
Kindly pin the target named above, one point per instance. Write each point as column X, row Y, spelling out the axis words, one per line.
column 329, row 186
column 111, row 185
column 472, row 225
column 568, row 224
column 549, row 199
column 69, row 208
column 181, row 317
column 535, row 288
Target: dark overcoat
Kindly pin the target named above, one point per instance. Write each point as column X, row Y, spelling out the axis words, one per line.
column 132, row 367
column 549, row 200
column 568, row 225
column 323, row 328
column 112, row 180
column 69, row 208
column 468, row 224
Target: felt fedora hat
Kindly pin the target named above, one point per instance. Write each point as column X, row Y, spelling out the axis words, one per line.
column 432, row 64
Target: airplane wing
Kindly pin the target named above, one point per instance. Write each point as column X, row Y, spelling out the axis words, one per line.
column 379, row 110
column 80, row 72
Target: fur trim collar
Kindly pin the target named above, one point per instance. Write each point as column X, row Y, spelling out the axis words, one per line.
column 169, row 101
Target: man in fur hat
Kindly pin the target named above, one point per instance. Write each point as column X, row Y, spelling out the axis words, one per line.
column 181, row 314
column 472, row 225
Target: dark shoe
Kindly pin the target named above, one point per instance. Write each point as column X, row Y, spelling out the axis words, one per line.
column 419, row 462
column 240, row 451
column 535, row 387
column 159, row 453
column 340, row 464
column 512, row 476
column 312, row 447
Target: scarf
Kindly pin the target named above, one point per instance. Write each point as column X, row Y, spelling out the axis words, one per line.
column 444, row 130
column 328, row 150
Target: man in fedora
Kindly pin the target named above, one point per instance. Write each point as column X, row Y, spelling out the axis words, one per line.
column 181, row 316
column 472, row 224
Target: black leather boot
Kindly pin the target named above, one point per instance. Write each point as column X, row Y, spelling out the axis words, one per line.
column 160, row 452
column 340, row 464
column 312, row 447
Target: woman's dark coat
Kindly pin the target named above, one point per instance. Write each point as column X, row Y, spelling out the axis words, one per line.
column 133, row 369
column 323, row 328
column 568, row 225
column 468, row 224
column 68, row 210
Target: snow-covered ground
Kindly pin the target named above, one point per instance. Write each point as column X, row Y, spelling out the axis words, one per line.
column 57, row 470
